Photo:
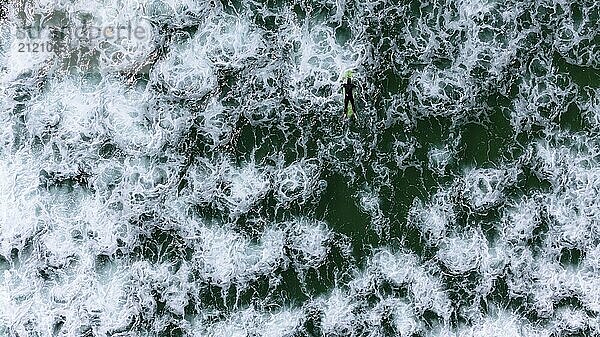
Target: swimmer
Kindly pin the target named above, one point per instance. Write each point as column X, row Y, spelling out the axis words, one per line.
column 349, row 97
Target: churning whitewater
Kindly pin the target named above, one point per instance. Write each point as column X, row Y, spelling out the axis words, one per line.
column 185, row 168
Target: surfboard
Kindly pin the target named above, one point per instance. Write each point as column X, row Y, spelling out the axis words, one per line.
column 350, row 113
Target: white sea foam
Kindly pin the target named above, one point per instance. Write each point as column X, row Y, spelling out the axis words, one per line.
column 251, row 321
column 229, row 187
column 403, row 270
column 439, row 159
column 309, row 243
column 521, row 221
column 433, row 219
column 338, row 317
column 461, row 253
column 484, row 187
column 298, row 182
column 225, row 257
